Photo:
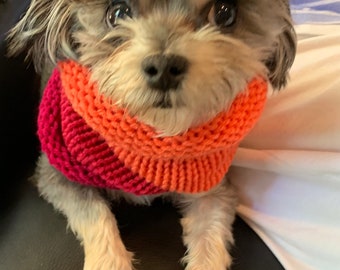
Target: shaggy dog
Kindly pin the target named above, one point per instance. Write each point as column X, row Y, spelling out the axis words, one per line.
column 172, row 64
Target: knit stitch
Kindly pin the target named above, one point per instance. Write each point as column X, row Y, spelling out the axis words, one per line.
column 96, row 143
column 88, row 160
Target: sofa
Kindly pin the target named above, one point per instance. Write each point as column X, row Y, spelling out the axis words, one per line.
column 35, row 237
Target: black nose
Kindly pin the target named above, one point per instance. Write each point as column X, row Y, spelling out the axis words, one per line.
column 164, row 72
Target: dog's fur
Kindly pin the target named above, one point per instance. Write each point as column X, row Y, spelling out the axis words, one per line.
column 219, row 63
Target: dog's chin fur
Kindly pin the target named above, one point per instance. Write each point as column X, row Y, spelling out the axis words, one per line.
column 221, row 61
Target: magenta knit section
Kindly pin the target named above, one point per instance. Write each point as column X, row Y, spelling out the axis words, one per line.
column 79, row 152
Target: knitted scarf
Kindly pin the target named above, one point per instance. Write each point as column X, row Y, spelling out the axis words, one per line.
column 93, row 142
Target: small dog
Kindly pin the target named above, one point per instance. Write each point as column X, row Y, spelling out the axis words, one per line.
column 210, row 50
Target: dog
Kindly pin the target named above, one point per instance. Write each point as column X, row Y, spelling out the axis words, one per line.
column 154, row 57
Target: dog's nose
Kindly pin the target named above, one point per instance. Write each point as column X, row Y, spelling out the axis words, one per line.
column 164, row 72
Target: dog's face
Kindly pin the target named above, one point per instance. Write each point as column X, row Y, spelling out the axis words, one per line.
column 172, row 63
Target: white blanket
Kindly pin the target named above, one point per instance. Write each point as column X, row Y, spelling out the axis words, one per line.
column 287, row 171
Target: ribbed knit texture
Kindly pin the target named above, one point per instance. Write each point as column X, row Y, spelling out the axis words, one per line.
column 96, row 143
column 77, row 151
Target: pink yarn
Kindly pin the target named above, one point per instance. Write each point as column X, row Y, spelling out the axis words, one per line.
column 82, row 157
column 93, row 142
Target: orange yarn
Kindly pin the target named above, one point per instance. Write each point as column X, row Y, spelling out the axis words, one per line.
column 193, row 162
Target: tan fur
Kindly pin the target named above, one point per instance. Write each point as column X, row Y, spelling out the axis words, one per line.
column 220, row 65
column 211, row 84
column 208, row 237
column 261, row 42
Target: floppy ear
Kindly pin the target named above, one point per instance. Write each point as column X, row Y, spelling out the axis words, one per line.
column 44, row 31
column 284, row 53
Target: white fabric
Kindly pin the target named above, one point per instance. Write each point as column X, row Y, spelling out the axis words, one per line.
column 287, row 171
column 315, row 11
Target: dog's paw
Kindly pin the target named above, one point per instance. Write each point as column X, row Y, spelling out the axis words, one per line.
column 208, row 266
column 208, row 261
column 108, row 261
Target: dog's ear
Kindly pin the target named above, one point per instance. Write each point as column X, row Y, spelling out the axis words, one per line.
column 284, row 53
column 43, row 31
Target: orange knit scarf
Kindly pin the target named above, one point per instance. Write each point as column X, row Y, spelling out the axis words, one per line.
column 192, row 162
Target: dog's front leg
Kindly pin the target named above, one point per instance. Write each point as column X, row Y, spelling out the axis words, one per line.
column 89, row 216
column 207, row 220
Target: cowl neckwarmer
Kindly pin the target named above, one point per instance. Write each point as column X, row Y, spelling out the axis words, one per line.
column 94, row 142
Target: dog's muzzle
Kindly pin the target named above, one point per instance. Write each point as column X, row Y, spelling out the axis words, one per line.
column 164, row 72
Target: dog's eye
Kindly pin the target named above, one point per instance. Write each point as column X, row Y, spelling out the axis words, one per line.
column 116, row 11
column 223, row 13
